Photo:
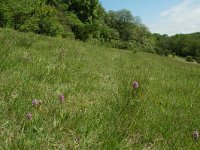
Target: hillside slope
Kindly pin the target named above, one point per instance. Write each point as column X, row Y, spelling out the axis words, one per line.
column 100, row 109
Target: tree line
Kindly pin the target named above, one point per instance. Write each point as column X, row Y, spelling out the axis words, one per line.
column 81, row 19
column 184, row 45
column 88, row 20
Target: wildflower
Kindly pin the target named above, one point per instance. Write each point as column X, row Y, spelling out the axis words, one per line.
column 29, row 116
column 61, row 97
column 36, row 102
column 195, row 134
column 135, row 84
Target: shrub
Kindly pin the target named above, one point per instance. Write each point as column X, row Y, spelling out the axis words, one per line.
column 148, row 49
column 189, row 59
column 173, row 54
column 167, row 52
column 161, row 51
column 31, row 24
column 125, row 45
column 3, row 17
column 198, row 60
column 49, row 23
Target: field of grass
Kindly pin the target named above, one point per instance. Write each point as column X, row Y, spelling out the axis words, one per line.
column 100, row 110
column 182, row 59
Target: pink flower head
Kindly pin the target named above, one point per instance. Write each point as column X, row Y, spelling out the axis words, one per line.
column 61, row 97
column 135, row 85
column 195, row 135
column 29, row 116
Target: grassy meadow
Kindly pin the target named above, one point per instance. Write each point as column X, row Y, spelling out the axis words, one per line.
column 100, row 110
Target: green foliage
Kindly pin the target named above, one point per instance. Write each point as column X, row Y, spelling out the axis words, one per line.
column 28, row 15
column 32, row 24
column 49, row 23
column 107, row 34
column 125, row 45
column 80, row 29
column 189, row 58
column 173, row 54
column 5, row 15
column 80, row 19
column 123, row 21
column 185, row 51
column 181, row 44
column 198, row 60
column 159, row 51
column 84, row 9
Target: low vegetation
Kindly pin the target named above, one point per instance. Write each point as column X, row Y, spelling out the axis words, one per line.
column 189, row 58
column 64, row 94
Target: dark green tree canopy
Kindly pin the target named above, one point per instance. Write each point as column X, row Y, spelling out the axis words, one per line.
column 83, row 19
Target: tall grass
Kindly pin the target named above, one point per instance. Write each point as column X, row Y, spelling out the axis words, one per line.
column 101, row 110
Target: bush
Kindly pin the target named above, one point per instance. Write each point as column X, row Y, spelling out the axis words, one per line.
column 125, row 45
column 3, row 17
column 49, row 23
column 68, row 35
column 189, row 59
column 31, row 24
column 173, row 54
column 149, row 50
column 161, row 51
column 198, row 60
